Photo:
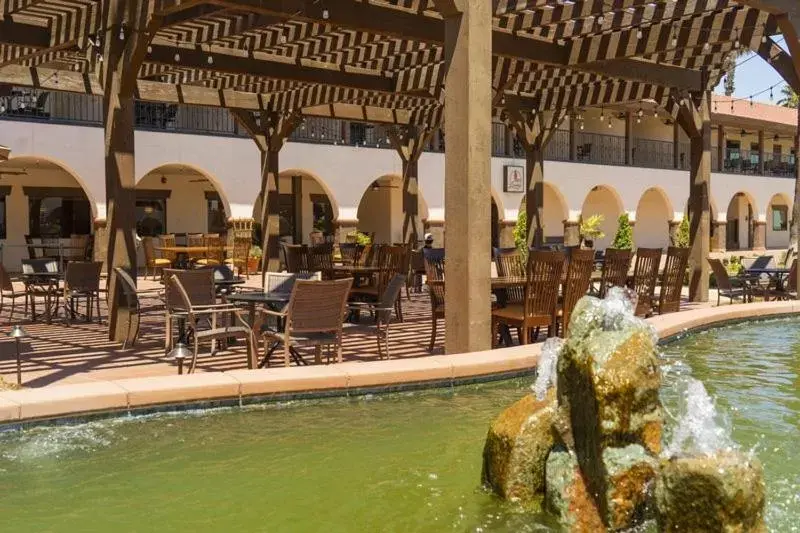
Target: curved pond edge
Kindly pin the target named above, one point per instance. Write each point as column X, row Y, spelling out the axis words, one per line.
column 97, row 399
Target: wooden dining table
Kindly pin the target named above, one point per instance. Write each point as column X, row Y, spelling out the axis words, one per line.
column 182, row 253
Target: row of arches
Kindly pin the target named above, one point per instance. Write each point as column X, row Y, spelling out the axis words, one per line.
column 169, row 198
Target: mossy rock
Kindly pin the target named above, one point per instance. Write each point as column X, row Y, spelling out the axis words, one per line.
column 516, row 449
column 630, row 472
column 722, row 493
column 567, row 494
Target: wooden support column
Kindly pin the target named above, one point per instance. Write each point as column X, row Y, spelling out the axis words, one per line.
column 794, row 225
column 573, row 138
column 722, row 141
column 410, row 142
column 118, row 71
column 297, row 207
column 760, row 152
column 534, row 130
column 695, row 118
column 676, row 145
column 269, row 130
column 629, row 138
column 468, row 132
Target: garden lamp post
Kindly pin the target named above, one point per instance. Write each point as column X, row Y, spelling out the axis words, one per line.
column 18, row 332
column 179, row 354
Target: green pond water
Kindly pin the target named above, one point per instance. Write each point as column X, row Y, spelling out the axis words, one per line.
column 403, row 462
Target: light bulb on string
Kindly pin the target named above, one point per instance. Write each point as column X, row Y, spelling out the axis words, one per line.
column 210, row 60
column 325, row 14
column 122, row 33
column 177, row 57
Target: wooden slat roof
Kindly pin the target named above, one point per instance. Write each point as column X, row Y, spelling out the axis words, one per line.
column 386, row 56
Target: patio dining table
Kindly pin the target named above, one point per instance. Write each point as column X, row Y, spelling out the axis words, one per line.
column 43, row 284
column 274, row 300
column 776, row 276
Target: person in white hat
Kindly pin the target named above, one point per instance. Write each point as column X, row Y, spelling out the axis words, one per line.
column 428, row 240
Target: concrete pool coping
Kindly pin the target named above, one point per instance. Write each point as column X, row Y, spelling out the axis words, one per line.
column 241, row 387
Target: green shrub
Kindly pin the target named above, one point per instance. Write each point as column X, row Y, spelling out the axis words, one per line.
column 521, row 232
column 590, row 228
column 623, row 240
column 360, row 238
column 256, row 252
column 683, row 233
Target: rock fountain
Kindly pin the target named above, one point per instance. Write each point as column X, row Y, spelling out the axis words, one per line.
column 587, row 444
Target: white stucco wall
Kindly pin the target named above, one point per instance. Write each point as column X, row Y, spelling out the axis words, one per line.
column 653, row 214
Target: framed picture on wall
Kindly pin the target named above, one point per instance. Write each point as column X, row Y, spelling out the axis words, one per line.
column 513, row 178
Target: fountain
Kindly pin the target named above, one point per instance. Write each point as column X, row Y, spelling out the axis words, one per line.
column 587, row 445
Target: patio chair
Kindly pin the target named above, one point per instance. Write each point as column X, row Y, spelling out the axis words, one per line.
column 434, row 272
column 538, row 309
column 382, row 310
column 79, row 247
column 132, row 297
column 731, row 288
column 198, row 284
column 82, row 280
column 45, row 287
column 579, row 275
column 51, row 247
column 7, row 290
column 349, row 252
column 296, row 257
column 788, row 289
column 283, row 282
column 511, row 265
column 645, row 274
column 240, row 255
column 669, row 299
column 616, row 265
column 203, row 324
column 320, row 259
column 314, row 317
column 168, row 240
column 32, row 254
column 390, row 263
column 368, row 255
column 417, row 270
column 153, row 264
column 216, row 250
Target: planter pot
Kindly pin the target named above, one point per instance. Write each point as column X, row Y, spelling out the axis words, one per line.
column 253, row 264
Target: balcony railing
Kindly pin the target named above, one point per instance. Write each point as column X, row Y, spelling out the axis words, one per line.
column 70, row 108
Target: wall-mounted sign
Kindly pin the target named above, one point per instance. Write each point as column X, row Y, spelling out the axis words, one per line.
column 514, row 178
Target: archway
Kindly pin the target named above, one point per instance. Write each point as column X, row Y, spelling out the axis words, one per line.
column 380, row 211
column 603, row 200
column 497, row 215
column 41, row 198
column 554, row 215
column 740, row 226
column 778, row 210
column 653, row 214
column 180, row 198
column 305, row 206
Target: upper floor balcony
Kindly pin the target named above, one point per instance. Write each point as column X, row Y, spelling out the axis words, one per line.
column 587, row 146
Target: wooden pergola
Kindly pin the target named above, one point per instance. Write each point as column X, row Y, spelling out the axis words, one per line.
column 411, row 64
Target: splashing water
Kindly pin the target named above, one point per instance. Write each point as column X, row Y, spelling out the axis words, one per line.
column 546, row 372
column 699, row 428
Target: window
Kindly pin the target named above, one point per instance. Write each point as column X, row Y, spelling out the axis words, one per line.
column 323, row 213
column 55, row 212
column 780, row 218
column 151, row 216
column 286, row 214
column 217, row 220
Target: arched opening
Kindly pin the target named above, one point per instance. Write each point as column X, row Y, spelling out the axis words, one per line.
column 653, row 214
column 179, row 198
column 778, row 211
column 305, row 206
column 380, row 211
column 603, row 200
column 740, row 232
column 42, row 199
column 497, row 214
column 554, row 215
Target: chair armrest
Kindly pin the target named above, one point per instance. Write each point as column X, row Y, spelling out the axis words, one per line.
column 273, row 313
column 215, row 310
column 435, row 282
column 211, row 306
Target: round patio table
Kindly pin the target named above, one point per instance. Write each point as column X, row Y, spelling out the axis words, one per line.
column 776, row 275
column 274, row 300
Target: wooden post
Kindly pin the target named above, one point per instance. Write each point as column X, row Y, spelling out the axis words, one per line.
column 269, row 130
column 676, row 145
column 629, row 138
column 573, row 138
column 794, row 228
column 760, row 152
column 410, row 142
column 119, row 68
column 468, row 133
column 297, row 203
column 721, row 146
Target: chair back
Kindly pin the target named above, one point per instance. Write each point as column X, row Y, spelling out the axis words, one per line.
column 543, row 275
column 579, row 274
column 316, row 237
column 320, row 259
column 389, row 297
column 434, row 271
column 349, row 252
column 53, row 246
column 368, row 255
column 791, row 279
column 241, row 248
column 221, row 272
column 616, row 265
column 391, row 261
column 168, row 241
column 762, row 261
column 645, row 274
column 317, row 306
column 83, row 276
column 128, row 287
column 417, row 261
column 283, row 282
column 296, row 256
column 79, row 247
column 195, row 239
column 721, row 274
column 5, row 280
column 672, row 279
column 39, row 266
column 216, row 247
column 31, row 249
column 149, row 250
column 198, row 285
column 511, row 265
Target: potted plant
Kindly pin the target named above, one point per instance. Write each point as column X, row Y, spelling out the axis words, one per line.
column 590, row 230
column 358, row 238
column 254, row 259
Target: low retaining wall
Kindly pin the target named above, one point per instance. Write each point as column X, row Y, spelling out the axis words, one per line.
column 244, row 386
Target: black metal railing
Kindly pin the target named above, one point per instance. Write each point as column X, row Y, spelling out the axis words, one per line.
column 596, row 148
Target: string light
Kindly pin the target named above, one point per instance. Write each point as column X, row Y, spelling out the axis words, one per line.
column 122, row 33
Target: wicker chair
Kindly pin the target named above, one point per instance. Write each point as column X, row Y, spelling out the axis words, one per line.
column 368, row 255
column 46, row 288
column 434, row 272
column 153, row 264
column 82, row 280
column 669, row 300
column 31, row 248
column 202, row 322
column 616, row 265
column 7, row 290
column 283, row 282
column 79, row 247
column 349, row 252
column 416, row 271
column 390, row 262
column 198, row 284
column 314, row 317
column 168, row 241
column 382, row 311
column 216, row 251
column 320, row 259
column 543, row 279
column 579, row 274
column 510, row 264
column 788, row 289
column 645, row 274
column 296, row 258
column 240, row 254
column 51, row 247
column 731, row 288
column 132, row 297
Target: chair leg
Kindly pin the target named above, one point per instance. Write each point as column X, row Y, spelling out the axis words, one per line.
column 433, row 334
column 524, row 335
column 286, row 354
column 194, row 354
column 495, row 333
column 318, row 354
